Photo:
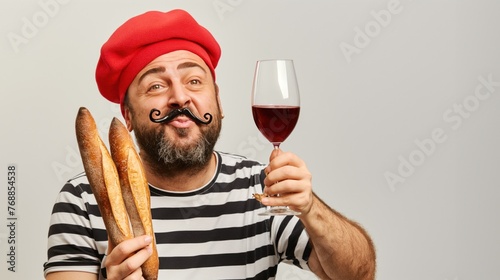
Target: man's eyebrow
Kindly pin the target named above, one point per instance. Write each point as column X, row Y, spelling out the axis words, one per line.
column 159, row 69
column 190, row 64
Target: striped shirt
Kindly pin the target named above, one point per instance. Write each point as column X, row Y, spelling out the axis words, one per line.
column 212, row 232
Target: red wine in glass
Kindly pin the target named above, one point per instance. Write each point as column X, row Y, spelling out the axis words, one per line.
column 275, row 107
column 275, row 122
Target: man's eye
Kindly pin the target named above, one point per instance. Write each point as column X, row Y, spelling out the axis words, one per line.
column 195, row 82
column 155, row 87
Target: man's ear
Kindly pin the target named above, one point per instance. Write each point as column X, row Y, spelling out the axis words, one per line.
column 219, row 103
column 127, row 115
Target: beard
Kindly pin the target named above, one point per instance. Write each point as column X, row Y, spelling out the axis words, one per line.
column 169, row 157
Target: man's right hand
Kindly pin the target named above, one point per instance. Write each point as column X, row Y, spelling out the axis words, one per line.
column 125, row 260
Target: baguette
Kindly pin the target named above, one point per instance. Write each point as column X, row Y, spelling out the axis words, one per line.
column 135, row 190
column 103, row 178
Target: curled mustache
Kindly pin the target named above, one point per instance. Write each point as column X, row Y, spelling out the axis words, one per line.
column 176, row 112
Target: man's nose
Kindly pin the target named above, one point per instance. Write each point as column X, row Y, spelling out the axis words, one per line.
column 179, row 96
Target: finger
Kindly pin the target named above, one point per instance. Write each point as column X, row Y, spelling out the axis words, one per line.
column 281, row 200
column 126, row 248
column 136, row 275
column 283, row 159
column 299, row 202
column 284, row 172
column 288, row 186
column 274, row 154
column 130, row 268
column 287, row 173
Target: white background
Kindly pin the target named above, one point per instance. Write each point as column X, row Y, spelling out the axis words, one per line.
column 376, row 78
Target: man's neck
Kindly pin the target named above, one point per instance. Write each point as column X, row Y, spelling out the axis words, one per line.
column 183, row 180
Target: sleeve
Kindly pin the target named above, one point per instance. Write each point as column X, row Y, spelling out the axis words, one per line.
column 291, row 240
column 73, row 242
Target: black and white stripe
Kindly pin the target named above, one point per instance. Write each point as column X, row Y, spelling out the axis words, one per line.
column 213, row 232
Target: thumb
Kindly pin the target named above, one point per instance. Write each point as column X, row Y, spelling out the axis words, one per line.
column 110, row 246
column 274, row 154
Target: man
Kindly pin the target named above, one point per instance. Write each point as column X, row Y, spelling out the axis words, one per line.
column 205, row 219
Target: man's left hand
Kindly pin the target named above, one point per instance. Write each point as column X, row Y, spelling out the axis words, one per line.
column 288, row 177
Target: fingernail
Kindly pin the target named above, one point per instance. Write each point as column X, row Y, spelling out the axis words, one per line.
column 265, row 200
column 147, row 239
column 149, row 249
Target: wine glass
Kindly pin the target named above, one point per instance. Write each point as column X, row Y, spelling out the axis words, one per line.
column 275, row 107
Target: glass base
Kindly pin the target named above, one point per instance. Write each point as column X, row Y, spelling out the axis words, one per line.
column 278, row 210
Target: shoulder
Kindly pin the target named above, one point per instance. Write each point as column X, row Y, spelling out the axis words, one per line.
column 77, row 184
column 77, row 190
column 232, row 162
column 240, row 172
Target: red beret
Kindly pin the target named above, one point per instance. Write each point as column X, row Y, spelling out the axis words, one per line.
column 143, row 38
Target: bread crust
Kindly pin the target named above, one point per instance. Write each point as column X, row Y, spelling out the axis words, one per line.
column 103, row 178
column 119, row 184
column 135, row 189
